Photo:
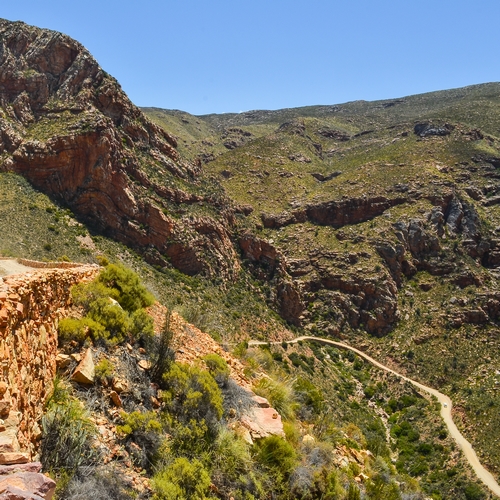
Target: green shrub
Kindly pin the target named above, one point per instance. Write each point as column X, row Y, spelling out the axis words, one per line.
column 139, row 421
column 275, row 453
column 146, row 431
column 190, row 439
column 81, row 329
column 114, row 320
column 67, row 434
column 132, row 294
column 84, row 294
column 192, row 394
column 182, row 480
column 232, row 465
column 217, row 367
column 141, row 324
column 474, row 492
column 71, row 329
column 279, row 394
column 113, row 306
column 309, row 396
column 327, row 485
column 104, row 369
column 353, row 493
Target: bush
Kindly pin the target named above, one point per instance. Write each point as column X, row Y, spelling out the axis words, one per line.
column 141, row 324
column 132, row 294
column 72, row 329
column 218, row 368
column 112, row 318
column 84, row 294
column 80, row 329
column 104, row 369
column 276, row 453
column 181, row 479
column 279, row 394
column 309, row 397
column 146, row 431
column 113, row 306
column 192, row 394
column 232, row 464
column 474, row 492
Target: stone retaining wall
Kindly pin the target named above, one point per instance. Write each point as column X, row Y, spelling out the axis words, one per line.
column 49, row 265
column 30, row 308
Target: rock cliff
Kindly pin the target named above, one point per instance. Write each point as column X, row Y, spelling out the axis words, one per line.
column 67, row 126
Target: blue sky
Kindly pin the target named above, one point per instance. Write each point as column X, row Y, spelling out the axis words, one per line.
column 228, row 56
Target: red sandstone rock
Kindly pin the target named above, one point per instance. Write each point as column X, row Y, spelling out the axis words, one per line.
column 30, row 467
column 16, row 457
column 263, row 422
column 116, row 399
column 32, row 483
column 262, row 402
column 85, row 372
column 119, row 385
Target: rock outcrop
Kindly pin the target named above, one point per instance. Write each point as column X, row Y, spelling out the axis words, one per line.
column 345, row 296
column 24, row 482
column 335, row 213
column 67, row 126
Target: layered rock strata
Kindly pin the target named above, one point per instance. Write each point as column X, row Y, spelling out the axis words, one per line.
column 67, row 127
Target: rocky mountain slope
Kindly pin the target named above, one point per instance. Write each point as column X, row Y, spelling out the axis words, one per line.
column 376, row 217
column 67, row 126
column 377, row 223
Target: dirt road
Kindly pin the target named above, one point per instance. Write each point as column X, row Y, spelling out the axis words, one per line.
column 11, row 266
column 445, row 401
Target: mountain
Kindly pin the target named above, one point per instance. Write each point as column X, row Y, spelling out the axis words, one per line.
column 378, row 223
column 372, row 222
column 68, row 127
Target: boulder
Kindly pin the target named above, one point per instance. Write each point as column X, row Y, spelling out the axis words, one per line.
column 263, row 422
column 29, row 467
column 14, row 457
column 30, row 484
column 85, row 371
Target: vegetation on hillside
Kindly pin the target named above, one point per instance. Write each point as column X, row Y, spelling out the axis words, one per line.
column 350, row 431
column 444, row 332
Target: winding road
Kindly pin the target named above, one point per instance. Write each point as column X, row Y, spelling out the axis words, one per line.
column 446, row 406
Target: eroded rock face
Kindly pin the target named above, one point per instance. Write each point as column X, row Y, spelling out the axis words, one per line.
column 346, row 298
column 339, row 213
column 72, row 132
column 335, row 213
